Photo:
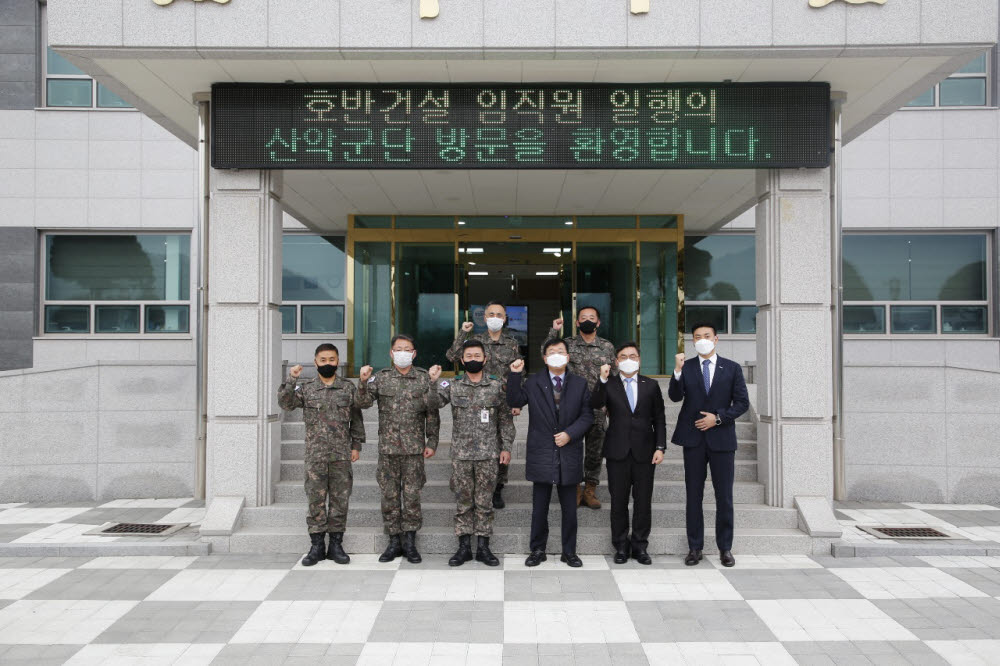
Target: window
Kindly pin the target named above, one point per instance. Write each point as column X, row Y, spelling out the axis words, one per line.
column 312, row 284
column 906, row 284
column 966, row 87
column 116, row 284
column 720, row 282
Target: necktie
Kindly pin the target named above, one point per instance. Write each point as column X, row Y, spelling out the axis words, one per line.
column 558, row 381
column 630, row 392
column 706, row 374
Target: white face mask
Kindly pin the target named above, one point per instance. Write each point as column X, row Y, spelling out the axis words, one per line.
column 402, row 359
column 494, row 323
column 704, row 347
column 556, row 361
column 628, row 366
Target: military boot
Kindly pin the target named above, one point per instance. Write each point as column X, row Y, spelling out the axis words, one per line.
column 410, row 548
column 498, row 502
column 336, row 550
column 392, row 551
column 318, row 550
column 484, row 554
column 464, row 552
column 589, row 498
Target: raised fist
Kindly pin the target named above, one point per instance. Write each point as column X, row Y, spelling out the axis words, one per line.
column 557, row 323
column 678, row 362
column 365, row 373
column 435, row 372
column 467, row 326
column 517, row 366
column 295, row 371
column 605, row 371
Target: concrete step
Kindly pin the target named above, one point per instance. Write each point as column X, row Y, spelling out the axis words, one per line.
column 590, row 541
column 672, row 469
column 441, row 514
column 438, row 490
column 291, row 430
column 294, row 449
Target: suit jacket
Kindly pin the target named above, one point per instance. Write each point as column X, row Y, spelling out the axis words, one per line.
column 544, row 461
column 727, row 398
column 640, row 432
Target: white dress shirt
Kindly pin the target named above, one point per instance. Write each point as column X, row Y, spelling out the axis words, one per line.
column 713, row 360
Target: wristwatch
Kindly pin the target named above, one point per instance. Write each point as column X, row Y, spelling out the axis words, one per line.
column 718, row 420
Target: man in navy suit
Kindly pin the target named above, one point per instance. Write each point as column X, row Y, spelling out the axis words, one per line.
column 559, row 416
column 714, row 395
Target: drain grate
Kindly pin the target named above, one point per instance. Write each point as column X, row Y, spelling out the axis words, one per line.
column 137, row 529
column 907, row 532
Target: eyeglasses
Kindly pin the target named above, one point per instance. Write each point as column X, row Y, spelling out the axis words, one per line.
column 630, row 357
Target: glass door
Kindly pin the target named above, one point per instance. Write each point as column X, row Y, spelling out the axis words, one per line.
column 426, row 298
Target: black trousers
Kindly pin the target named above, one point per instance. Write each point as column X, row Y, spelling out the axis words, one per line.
column 697, row 461
column 541, row 495
column 630, row 476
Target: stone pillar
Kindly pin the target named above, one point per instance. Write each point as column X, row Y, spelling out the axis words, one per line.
column 794, row 364
column 244, row 335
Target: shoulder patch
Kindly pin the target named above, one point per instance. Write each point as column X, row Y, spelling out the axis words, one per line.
column 371, row 379
column 444, row 383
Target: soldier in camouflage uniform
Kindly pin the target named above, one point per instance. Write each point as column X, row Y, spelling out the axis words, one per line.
column 335, row 433
column 407, row 433
column 483, row 434
column 501, row 350
column 587, row 353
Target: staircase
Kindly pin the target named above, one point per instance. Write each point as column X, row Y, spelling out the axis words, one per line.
column 281, row 527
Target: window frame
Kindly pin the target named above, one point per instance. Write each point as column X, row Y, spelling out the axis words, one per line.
column 43, row 69
column 92, row 305
column 988, row 75
column 729, row 305
column 939, row 333
column 297, row 304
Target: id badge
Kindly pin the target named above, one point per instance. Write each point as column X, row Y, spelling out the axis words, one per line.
column 484, row 416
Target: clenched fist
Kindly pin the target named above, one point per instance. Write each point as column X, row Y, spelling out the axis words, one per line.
column 605, row 371
column 365, row 373
column 467, row 326
column 557, row 323
column 678, row 362
column 517, row 366
column 435, row 372
column 295, row 371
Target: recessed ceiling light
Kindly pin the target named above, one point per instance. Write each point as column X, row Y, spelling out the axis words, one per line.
column 479, row 273
column 568, row 223
column 473, row 250
column 546, row 272
column 461, row 222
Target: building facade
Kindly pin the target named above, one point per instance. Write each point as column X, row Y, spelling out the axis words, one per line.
column 99, row 209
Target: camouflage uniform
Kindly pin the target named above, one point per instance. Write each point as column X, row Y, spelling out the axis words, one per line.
column 499, row 355
column 586, row 359
column 334, row 428
column 404, row 422
column 475, row 447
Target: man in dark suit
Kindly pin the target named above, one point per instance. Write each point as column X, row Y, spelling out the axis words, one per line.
column 559, row 415
column 634, row 443
column 714, row 395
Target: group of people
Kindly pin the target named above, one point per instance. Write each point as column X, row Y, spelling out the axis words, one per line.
column 589, row 404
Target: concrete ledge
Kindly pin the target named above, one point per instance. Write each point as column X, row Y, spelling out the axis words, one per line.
column 891, row 549
column 816, row 517
column 222, row 516
column 115, row 548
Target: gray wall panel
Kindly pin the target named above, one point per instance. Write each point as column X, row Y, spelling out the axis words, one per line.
column 18, row 54
column 18, row 305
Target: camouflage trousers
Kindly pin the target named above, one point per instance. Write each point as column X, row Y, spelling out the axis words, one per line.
column 593, row 447
column 401, row 478
column 503, row 474
column 328, row 481
column 473, row 482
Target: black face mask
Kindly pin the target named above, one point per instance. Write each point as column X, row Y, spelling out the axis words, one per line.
column 587, row 327
column 326, row 371
column 473, row 366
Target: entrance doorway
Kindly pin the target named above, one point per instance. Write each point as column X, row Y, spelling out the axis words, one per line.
column 427, row 275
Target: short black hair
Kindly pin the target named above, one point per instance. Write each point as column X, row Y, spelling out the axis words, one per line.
column 588, row 307
column 500, row 303
column 468, row 344
column 551, row 342
column 704, row 324
column 326, row 346
column 402, row 336
column 626, row 345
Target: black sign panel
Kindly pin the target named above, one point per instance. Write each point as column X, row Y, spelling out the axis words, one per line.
column 520, row 126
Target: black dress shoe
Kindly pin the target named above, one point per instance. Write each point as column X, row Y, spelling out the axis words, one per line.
column 571, row 559
column 727, row 559
column 621, row 556
column 536, row 558
column 642, row 557
column 693, row 558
